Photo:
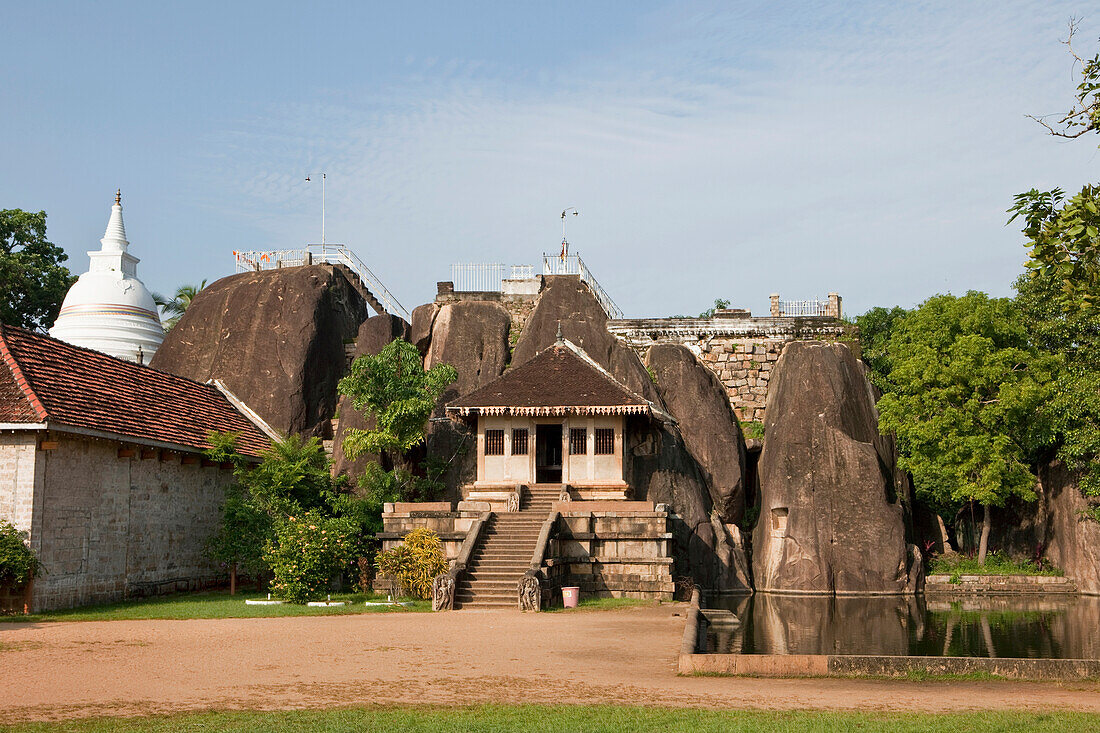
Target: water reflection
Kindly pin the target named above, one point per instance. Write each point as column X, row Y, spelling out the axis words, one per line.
column 1048, row 628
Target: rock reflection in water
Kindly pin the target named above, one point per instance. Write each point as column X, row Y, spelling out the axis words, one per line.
column 1051, row 627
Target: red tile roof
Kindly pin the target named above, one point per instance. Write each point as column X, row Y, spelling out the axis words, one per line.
column 559, row 380
column 44, row 380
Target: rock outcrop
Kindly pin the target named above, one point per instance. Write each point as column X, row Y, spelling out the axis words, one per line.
column 694, row 396
column 275, row 338
column 831, row 518
column 374, row 334
column 423, row 318
column 471, row 336
column 565, row 299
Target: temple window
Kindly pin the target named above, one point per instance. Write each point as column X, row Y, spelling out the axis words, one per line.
column 605, row 441
column 494, row 442
column 578, row 441
column 519, row 442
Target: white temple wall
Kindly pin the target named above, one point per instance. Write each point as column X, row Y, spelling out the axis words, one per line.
column 18, row 478
column 106, row 527
column 580, row 469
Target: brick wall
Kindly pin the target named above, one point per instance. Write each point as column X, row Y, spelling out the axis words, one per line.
column 17, row 478
column 744, row 367
column 106, row 527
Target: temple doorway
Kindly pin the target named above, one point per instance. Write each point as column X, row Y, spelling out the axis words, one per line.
column 548, row 454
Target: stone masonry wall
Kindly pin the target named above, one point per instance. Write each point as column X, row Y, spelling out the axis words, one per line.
column 108, row 527
column 519, row 305
column 744, row 367
column 740, row 349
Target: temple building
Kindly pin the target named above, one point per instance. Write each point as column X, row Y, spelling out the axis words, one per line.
column 102, row 464
column 558, row 419
column 108, row 308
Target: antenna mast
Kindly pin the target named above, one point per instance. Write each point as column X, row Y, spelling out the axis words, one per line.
column 564, row 241
column 323, row 177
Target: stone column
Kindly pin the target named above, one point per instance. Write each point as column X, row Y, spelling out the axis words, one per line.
column 834, row 306
column 775, row 305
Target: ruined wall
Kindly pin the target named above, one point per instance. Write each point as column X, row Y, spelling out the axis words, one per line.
column 107, row 527
column 740, row 350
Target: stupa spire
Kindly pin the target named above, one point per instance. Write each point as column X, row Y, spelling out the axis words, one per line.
column 114, row 239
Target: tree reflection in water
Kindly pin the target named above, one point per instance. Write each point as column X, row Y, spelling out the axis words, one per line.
column 1009, row 627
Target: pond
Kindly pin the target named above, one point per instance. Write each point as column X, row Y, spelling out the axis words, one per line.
column 1006, row 627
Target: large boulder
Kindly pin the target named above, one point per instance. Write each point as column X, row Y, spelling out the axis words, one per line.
column 568, row 301
column 1057, row 525
column 661, row 470
column 471, row 336
column 275, row 338
column 831, row 517
column 423, row 318
column 693, row 395
column 374, row 334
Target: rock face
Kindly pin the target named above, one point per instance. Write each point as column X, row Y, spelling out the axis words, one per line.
column 423, row 317
column 1055, row 523
column 567, row 300
column 471, row 336
column 276, row 338
column 694, row 396
column 374, row 334
column 831, row 519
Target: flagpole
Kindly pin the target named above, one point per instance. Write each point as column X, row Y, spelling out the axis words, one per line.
column 323, row 176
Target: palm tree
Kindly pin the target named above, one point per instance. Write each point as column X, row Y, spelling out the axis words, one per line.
column 175, row 307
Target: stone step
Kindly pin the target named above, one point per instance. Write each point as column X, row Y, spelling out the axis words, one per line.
column 486, row 599
column 487, row 604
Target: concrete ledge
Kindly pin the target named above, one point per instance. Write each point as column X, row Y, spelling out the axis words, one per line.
column 405, row 507
column 822, row 665
column 619, row 508
column 996, row 584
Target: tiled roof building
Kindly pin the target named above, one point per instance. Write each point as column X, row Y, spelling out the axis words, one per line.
column 47, row 382
column 101, row 465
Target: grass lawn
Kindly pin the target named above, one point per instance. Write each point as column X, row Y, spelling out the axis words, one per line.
column 996, row 563
column 602, row 604
column 546, row 719
column 216, row 604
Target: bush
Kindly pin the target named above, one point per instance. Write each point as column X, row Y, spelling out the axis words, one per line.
column 307, row 551
column 18, row 565
column 416, row 562
column 996, row 563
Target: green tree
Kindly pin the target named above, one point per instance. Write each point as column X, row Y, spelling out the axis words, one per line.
column 1084, row 114
column 394, row 388
column 965, row 387
column 177, row 305
column 875, row 328
column 33, row 282
column 719, row 304
column 1073, row 410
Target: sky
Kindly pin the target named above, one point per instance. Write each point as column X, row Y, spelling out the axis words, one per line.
column 713, row 150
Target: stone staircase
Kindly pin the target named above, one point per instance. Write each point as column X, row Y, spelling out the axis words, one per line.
column 503, row 552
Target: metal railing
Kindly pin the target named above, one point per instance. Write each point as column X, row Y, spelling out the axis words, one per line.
column 332, row 254
column 804, row 307
column 488, row 277
column 574, row 265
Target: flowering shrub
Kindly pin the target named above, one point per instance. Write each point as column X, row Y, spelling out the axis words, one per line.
column 416, row 562
column 306, row 551
column 17, row 563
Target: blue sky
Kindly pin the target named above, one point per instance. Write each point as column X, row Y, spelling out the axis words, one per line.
column 713, row 149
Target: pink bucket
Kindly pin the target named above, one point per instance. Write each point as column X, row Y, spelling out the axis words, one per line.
column 570, row 596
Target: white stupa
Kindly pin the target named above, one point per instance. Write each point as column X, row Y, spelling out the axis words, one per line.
column 108, row 309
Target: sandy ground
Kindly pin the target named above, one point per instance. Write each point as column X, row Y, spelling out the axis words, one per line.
column 76, row 669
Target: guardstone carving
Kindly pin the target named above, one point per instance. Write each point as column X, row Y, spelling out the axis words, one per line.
column 443, row 592
column 530, row 592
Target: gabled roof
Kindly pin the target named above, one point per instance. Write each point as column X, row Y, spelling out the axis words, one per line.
column 560, row 380
column 50, row 383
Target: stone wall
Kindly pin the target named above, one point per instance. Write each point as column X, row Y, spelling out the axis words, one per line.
column 739, row 349
column 107, row 527
column 18, row 478
column 613, row 549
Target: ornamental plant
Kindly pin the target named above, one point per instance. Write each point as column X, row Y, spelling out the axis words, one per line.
column 307, row 550
column 416, row 562
column 18, row 565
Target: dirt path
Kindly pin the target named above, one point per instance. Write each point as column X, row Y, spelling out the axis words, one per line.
column 62, row 670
